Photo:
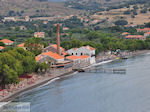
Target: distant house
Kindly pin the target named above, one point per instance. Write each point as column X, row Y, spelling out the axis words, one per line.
column 95, row 21
column 27, row 18
column 84, row 50
column 39, row 34
column 7, row 42
column 21, row 46
column 45, row 22
column 125, row 33
column 143, row 30
column 8, row 19
column 147, row 34
column 1, row 48
column 65, row 28
column 137, row 37
column 23, row 28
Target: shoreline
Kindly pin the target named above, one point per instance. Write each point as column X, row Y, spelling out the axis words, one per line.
column 40, row 83
column 52, row 77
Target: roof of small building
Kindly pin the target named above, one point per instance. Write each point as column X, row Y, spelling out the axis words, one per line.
column 125, row 33
column 55, row 46
column 73, row 57
column 6, row 41
column 83, row 57
column 64, row 53
column 21, row 45
column 53, row 55
column 147, row 33
column 39, row 33
column 77, row 57
column 144, row 29
column 1, row 47
column 89, row 47
column 134, row 36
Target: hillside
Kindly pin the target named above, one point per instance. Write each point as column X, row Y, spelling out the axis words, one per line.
column 134, row 16
column 33, row 7
column 93, row 4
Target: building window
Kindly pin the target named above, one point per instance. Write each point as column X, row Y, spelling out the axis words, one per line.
column 81, row 53
column 76, row 53
column 72, row 53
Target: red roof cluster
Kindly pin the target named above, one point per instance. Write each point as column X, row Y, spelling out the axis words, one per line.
column 144, row 29
column 50, row 54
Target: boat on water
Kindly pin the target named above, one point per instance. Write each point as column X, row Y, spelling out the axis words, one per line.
column 125, row 57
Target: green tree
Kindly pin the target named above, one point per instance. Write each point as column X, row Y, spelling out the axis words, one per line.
column 2, row 44
column 43, row 67
column 121, row 22
column 34, row 45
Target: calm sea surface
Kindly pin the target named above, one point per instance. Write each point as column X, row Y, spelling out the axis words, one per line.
column 97, row 92
column 57, row 0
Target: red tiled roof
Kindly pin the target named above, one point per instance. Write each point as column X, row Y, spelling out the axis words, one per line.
column 53, row 55
column 89, row 47
column 1, row 47
column 55, row 46
column 147, row 33
column 37, row 58
column 77, row 57
column 73, row 57
column 125, row 33
column 50, row 54
column 134, row 36
column 6, row 41
column 83, row 56
column 144, row 29
column 64, row 53
column 21, row 45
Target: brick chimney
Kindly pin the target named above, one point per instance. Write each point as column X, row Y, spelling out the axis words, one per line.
column 58, row 39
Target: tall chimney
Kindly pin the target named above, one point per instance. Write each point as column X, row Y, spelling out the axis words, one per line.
column 58, row 39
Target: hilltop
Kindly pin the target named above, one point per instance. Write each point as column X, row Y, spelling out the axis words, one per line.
column 33, row 7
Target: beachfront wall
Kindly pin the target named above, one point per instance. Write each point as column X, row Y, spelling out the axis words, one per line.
column 60, row 71
column 80, row 63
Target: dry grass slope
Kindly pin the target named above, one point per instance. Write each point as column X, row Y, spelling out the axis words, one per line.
column 115, row 14
column 34, row 7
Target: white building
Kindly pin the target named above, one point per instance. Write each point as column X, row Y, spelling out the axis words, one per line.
column 147, row 34
column 85, row 50
column 79, row 61
column 9, row 19
column 39, row 34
